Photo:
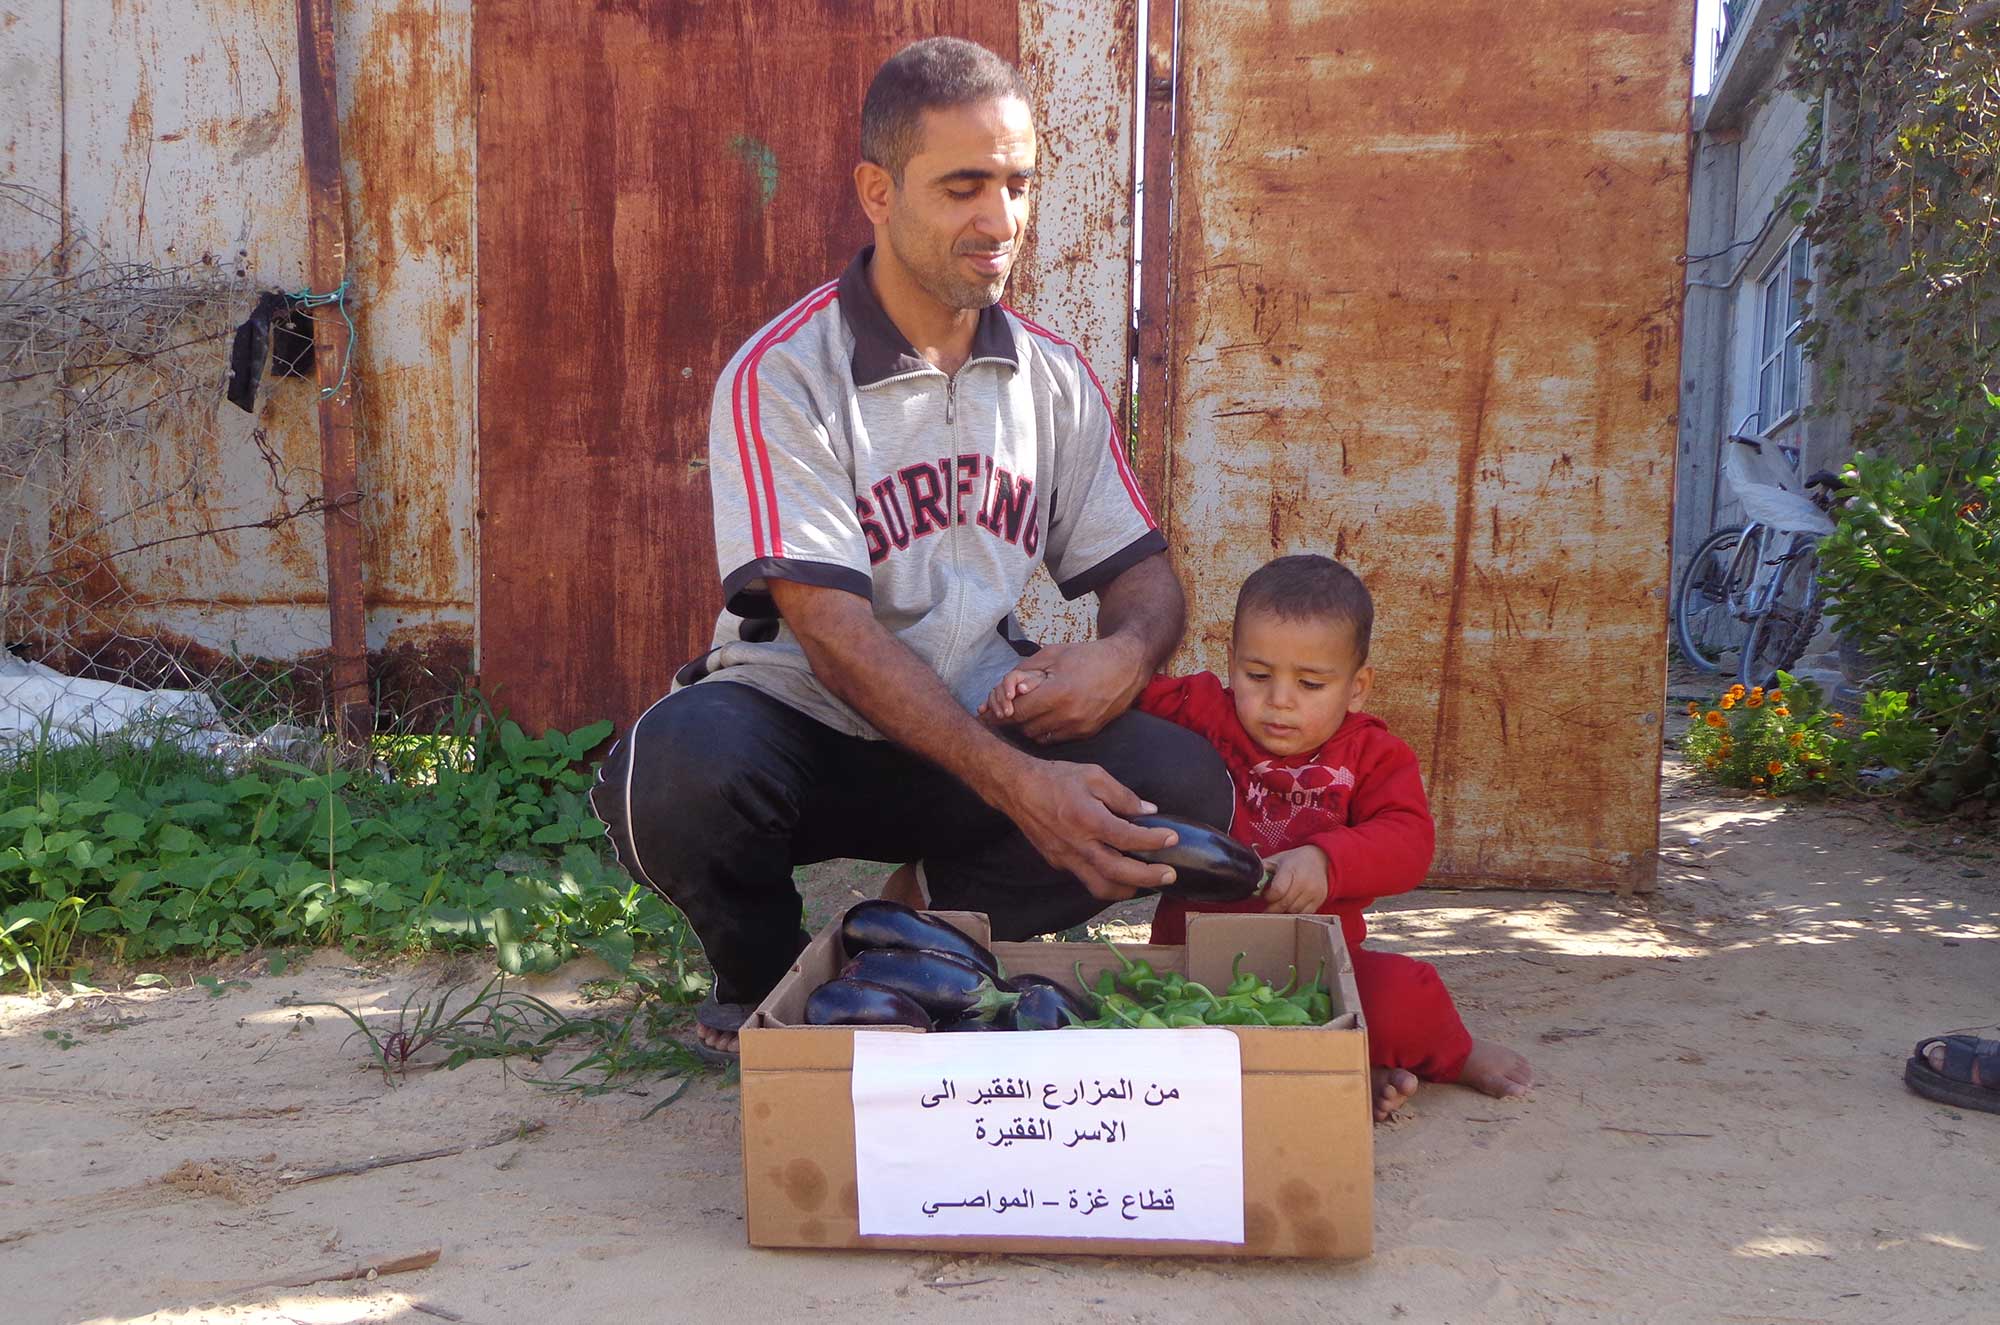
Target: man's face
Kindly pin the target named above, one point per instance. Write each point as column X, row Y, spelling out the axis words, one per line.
column 957, row 220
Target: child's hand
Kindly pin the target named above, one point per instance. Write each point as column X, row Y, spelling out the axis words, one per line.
column 999, row 706
column 1298, row 881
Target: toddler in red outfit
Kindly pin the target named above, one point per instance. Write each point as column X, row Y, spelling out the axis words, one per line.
column 1330, row 799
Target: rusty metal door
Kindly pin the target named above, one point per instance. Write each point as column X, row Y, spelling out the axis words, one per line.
column 656, row 178
column 1424, row 318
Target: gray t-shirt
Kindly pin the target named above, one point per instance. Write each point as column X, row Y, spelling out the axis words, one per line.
column 839, row 456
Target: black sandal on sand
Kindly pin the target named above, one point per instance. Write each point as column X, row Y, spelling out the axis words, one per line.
column 1969, row 1079
column 725, row 1017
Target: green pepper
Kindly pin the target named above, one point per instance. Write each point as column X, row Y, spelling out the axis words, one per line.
column 1320, row 1007
column 1241, row 981
column 1239, row 1012
column 1183, row 1019
column 1150, row 1022
column 1133, row 970
column 1286, row 1013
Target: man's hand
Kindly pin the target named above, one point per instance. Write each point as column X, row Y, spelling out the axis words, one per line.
column 1298, row 881
column 1071, row 814
column 1082, row 687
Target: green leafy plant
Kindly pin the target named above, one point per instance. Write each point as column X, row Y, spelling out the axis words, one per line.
column 1786, row 740
column 1777, row 743
column 1914, row 566
column 1894, row 183
column 487, row 840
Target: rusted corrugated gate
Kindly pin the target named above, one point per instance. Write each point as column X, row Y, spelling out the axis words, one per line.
column 655, row 182
column 1425, row 314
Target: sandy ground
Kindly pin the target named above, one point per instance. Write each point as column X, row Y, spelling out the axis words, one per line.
column 1720, row 1134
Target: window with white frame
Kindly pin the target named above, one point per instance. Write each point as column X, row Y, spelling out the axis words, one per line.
column 1782, row 293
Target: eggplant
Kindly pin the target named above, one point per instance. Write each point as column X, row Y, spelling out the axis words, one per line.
column 1044, row 1008
column 1046, row 1005
column 881, row 923
column 946, row 987
column 999, row 1023
column 844, row 1002
column 1209, row 866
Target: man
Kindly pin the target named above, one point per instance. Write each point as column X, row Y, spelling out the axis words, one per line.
column 889, row 460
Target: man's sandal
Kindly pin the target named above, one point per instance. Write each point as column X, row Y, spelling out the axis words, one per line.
column 1970, row 1077
column 716, row 1016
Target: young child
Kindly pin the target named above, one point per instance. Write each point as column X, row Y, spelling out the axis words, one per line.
column 1330, row 799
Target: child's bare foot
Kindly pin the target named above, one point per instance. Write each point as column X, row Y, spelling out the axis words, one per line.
column 1496, row 1070
column 1393, row 1088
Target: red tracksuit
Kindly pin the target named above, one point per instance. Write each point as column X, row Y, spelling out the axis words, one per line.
column 1360, row 799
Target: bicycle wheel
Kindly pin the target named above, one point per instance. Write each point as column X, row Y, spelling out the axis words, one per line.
column 1706, row 624
column 1779, row 635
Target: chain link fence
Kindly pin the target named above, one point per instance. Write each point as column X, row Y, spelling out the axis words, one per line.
column 161, row 556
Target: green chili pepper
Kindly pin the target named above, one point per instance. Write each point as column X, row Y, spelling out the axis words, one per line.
column 1286, row 1013
column 1241, row 982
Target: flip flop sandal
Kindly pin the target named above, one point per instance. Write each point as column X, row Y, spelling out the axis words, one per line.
column 718, row 1016
column 1971, row 1075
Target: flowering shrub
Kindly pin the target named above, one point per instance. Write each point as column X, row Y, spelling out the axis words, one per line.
column 1777, row 741
column 1786, row 740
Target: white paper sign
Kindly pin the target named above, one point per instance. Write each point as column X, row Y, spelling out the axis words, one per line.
column 1079, row 1134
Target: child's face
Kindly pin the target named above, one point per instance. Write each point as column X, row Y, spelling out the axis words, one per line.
column 1294, row 681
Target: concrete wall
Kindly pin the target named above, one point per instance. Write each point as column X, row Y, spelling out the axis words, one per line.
column 1743, row 161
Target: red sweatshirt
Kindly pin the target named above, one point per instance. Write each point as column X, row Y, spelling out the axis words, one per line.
column 1359, row 798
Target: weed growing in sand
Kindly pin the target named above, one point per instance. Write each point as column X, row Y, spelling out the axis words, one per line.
column 502, row 1024
column 477, row 836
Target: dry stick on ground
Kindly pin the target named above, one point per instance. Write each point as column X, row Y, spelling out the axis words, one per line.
column 419, row 1260
column 439, row 1312
column 294, row 1177
column 1640, row 1131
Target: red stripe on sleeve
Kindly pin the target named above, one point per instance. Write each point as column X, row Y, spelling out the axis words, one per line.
column 745, row 436
column 781, row 331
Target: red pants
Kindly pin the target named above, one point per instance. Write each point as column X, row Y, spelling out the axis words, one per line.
column 1412, row 1022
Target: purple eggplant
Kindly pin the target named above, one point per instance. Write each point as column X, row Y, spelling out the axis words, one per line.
column 881, row 923
column 946, row 987
column 1045, row 1005
column 859, row 1003
column 976, row 1024
column 1209, row 866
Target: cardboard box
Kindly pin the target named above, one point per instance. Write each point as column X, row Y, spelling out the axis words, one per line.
column 1308, row 1140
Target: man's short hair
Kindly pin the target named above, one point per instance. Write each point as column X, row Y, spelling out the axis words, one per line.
column 939, row 73
column 1310, row 587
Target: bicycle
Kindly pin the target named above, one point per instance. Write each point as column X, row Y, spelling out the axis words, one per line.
column 1749, row 600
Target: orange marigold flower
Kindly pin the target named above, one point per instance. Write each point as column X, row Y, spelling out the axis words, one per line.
column 1782, row 711
column 1840, row 719
column 1774, row 768
column 1694, row 709
column 1754, row 702
column 1736, row 689
column 1715, row 719
column 1727, row 701
column 1798, row 738
column 1756, row 690
column 1776, row 696
column 1756, row 782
